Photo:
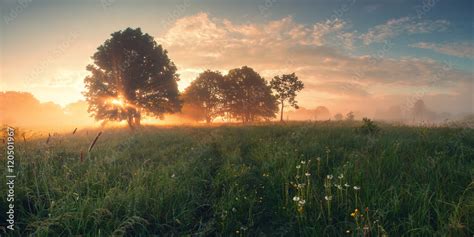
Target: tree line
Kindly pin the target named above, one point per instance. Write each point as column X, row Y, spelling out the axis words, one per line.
column 132, row 76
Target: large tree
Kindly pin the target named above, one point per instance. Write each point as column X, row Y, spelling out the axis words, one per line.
column 206, row 95
column 286, row 86
column 247, row 96
column 131, row 76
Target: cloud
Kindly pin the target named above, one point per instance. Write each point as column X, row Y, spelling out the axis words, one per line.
column 458, row 49
column 333, row 77
column 404, row 25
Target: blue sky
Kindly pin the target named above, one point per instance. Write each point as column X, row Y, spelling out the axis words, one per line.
column 406, row 38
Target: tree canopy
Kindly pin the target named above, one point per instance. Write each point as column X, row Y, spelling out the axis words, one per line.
column 247, row 95
column 286, row 86
column 206, row 94
column 131, row 75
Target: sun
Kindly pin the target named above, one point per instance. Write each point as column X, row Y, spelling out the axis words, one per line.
column 117, row 102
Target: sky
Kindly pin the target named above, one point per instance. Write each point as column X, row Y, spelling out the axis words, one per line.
column 351, row 54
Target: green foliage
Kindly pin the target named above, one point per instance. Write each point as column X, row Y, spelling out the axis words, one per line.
column 206, row 95
column 286, row 86
column 243, row 180
column 368, row 127
column 247, row 95
column 131, row 75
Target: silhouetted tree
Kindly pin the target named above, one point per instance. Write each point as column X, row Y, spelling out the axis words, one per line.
column 322, row 113
column 350, row 116
column 419, row 110
column 338, row 117
column 205, row 94
column 247, row 95
column 286, row 86
column 131, row 75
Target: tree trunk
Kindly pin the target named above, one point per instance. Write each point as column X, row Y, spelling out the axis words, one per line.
column 281, row 112
column 130, row 121
column 137, row 120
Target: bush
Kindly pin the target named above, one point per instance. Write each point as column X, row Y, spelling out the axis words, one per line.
column 369, row 127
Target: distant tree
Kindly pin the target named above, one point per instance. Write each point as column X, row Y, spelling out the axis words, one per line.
column 247, row 95
column 350, row 116
column 286, row 86
column 419, row 110
column 206, row 94
column 131, row 75
column 338, row 117
column 322, row 113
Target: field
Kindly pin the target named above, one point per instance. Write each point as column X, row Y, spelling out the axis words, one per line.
column 297, row 179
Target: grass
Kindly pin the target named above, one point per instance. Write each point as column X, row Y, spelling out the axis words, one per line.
column 247, row 181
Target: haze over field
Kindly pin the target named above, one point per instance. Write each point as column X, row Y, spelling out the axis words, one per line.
column 374, row 58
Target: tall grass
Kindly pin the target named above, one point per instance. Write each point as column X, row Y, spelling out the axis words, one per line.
column 247, row 181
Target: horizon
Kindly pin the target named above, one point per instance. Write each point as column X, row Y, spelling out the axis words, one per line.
column 362, row 56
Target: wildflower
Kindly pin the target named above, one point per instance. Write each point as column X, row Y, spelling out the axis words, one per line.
column 354, row 214
column 318, row 159
column 356, row 188
column 303, row 162
column 297, row 176
column 328, row 198
column 300, row 186
column 234, row 210
column 329, row 176
column 307, row 174
column 341, row 176
column 301, row 202
column 173, row 175
column 298, row 166
column 296, row 198
column 346, row 185
column 338, row 186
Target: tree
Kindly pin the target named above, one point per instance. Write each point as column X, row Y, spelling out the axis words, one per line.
column 286, row 87
column 131, row 75
column 419, row 110
column 205, row 94
column 322, row 113
column 350, row 116
column 247, row 95
column 338, row 117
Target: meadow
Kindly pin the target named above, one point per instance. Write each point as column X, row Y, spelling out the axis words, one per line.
column 295, row 179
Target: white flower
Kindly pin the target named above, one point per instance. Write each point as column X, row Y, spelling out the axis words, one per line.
column 296, row 198
column 318, row 158
column 356, row 188
column 328, row 198
column 298, row 166
column 341, row 176
column 307, row 174
column 329, row 176
column 300, row 185
column 301, row 202
column 346, row 185
column 173, row 175
column 338, row 186
column 303, row 162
